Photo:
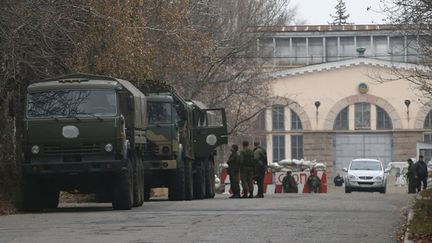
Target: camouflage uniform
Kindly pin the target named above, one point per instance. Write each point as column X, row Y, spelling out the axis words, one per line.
column 233, row 171
column 247, row 171
column 260, row 157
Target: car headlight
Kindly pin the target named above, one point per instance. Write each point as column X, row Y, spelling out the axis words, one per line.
column 378, row 178
column 108, row 147
column 35, row 149
column 352, row 177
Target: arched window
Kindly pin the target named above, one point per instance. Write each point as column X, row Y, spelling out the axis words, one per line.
column 261, row 123
column 428, row 121
column 278, row 118
column 383, row 119
column 295, row 121
column 341, row 121
column 362, row 116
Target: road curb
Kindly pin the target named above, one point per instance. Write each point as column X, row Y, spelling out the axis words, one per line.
column 407, row 232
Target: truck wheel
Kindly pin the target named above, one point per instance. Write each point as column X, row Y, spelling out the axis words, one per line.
column 32, row 197
column 147, row 192
column 123, row 190
column 176, row 190
column 138, row 180
column 199, row 182
column 188, row 180
column 209, row 179
column 51, row 199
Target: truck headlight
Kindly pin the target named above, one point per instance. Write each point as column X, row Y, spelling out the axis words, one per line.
column 211, row 139
column 108, row 147
column 35, row 149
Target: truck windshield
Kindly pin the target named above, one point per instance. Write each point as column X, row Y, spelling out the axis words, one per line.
column 72, row 103
column 159, row 112
column 366, row 165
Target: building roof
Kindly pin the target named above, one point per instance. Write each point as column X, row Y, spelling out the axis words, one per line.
column 312, row 28
column 360, row 61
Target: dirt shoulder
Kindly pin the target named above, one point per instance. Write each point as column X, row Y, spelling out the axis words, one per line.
column 420, row 226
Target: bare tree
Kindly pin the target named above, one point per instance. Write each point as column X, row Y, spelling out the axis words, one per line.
column 413, row 18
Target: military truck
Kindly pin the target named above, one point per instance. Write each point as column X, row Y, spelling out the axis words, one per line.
column 84, row 134
column 181, row 139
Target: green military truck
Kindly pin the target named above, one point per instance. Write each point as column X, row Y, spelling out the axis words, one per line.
column 181, row 139
column 85, row 134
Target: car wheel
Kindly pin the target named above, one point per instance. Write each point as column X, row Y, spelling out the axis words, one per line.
column 383, row 190
column 347, row 190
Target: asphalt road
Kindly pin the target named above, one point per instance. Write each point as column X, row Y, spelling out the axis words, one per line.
column 331, row 217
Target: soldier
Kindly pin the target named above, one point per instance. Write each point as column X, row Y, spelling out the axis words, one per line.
column 233, row 171
column 289, row 185
column 247, row 167
column 260, row 157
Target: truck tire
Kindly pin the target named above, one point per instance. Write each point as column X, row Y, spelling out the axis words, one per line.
column 123, row 190
column 147, row 192
column 32, row 197
column 51, row 199
column 209, row 179
column 138, row 180
column 188, row 180
column 198, row 181
column 176, row 189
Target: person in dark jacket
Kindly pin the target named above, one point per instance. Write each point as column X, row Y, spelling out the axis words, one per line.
column 289, row 185
column 338, row 180
column 247, row 170
column 412, row 182
column 314, row 182
column 260, row 156
column 421, row 173
column 234, row 170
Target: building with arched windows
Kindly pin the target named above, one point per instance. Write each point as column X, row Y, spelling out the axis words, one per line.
column 343, row 104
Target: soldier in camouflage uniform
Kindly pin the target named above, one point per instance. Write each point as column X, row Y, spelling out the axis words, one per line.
column 247, row 170
column 260, row 156
column 233, row 171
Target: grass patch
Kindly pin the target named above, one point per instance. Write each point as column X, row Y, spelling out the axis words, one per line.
column 420, row 226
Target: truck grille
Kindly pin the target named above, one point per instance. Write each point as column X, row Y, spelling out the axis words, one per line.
column 151, row 149
column 82, row 149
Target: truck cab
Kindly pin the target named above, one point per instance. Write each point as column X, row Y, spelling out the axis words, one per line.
column 84, row 133
column 182, row 137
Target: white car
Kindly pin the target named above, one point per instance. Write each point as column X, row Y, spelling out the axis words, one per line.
column 365, row 175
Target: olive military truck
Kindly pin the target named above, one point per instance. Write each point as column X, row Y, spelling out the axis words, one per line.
column 86, row 134
column 181, row 139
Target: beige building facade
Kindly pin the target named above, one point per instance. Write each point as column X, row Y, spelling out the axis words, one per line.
column 333, row 112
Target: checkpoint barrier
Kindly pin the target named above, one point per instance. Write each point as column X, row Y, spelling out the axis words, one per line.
column 273, row 181
column 301, row 180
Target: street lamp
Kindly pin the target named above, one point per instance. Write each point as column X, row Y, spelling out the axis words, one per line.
column 317, row 105
column 407, row 104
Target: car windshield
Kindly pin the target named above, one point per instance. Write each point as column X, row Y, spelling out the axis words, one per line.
column 159, row 112
column 365, row 165
column 69, row 103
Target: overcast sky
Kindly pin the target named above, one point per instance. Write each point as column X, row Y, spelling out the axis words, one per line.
column 318, row 11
